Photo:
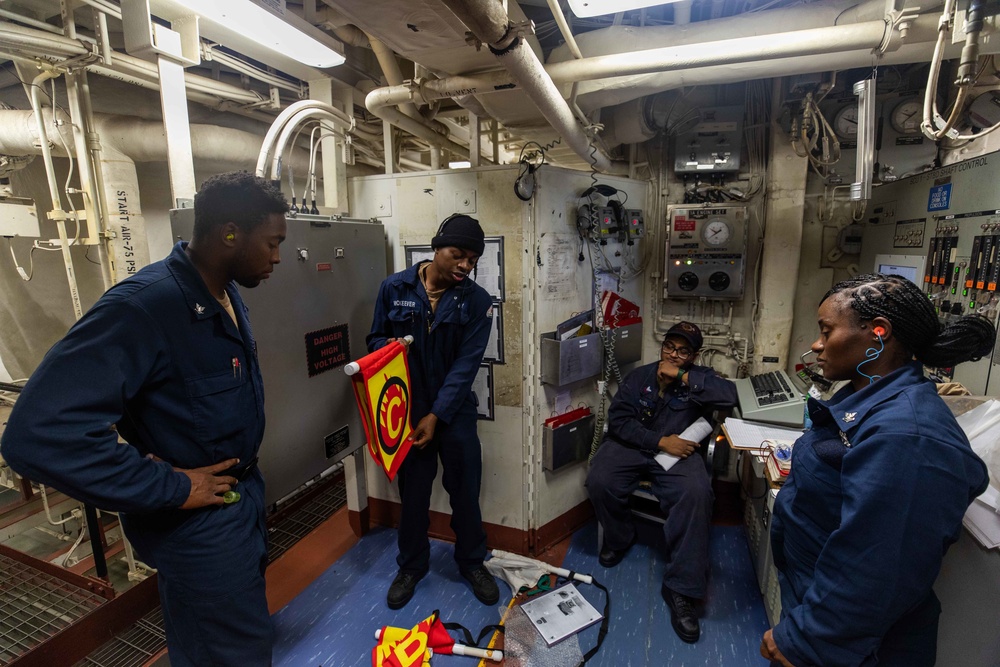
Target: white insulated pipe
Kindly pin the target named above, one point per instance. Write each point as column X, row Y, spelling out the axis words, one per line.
column 125, row 141
column 286, row 117
column 490, row 24
column 37, row 44
column 380, row 102
column 834, row 39
column 58, row 214
column 390, row 68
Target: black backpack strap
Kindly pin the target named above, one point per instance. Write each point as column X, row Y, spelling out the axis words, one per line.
column 469, row 641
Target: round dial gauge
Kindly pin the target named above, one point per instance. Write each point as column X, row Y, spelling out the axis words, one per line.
column 687, row 281
column 907, row 115
column 845, row 123
column 719, row 281
column 716, row 232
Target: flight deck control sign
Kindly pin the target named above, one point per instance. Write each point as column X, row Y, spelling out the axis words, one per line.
column 327, row 349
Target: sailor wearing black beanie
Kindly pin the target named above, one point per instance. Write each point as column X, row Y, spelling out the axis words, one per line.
column 450, row 319
column 460, row 231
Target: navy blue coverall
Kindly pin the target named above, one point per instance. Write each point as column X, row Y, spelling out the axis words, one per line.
column 448, row 346
column 876, row 495
column 637, row 419
column 159, row 359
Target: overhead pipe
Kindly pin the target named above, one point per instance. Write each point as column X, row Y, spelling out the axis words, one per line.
column 37, row 44
column 834, row 39
column 390, row 68
column 287, row 117
column 380, row 102
column 125, row 141
column 490, row 24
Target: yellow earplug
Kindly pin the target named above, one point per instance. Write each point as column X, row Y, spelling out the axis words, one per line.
column 230, row 237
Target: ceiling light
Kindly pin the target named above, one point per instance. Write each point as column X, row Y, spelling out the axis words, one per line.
column 287, row 34
column 462, row 164
column 588, row 8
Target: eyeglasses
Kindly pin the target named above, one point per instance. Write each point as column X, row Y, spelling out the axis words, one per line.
column 683, row 353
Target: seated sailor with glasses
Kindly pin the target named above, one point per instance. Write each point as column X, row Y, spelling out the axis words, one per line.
column 653, row 405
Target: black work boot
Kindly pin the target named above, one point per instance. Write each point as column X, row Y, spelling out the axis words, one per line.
column 401, row 589
column 683, row 616
column 610, row 557
column 483, row 585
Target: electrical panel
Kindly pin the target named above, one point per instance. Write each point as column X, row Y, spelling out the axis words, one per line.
column 713, row 145
column 635, row 226
column 18, row 217
column 706, row 251
column 607, row 224
column 944, row 234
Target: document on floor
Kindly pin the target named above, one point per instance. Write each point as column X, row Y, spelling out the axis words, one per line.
column 560, row 613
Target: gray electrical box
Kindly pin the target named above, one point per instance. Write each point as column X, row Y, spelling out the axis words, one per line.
column 309, row 319
column 713, row 145
column 706, row 251
column 18, row 217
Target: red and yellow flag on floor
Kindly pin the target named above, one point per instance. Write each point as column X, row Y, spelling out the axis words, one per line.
column 381, row 382
column 399, row 647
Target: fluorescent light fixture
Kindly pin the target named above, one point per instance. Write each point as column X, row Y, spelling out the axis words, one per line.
column 463, row 164
column 588, row 8
column 267, row 29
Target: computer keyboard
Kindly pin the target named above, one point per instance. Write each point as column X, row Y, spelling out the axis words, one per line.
column 771, row 397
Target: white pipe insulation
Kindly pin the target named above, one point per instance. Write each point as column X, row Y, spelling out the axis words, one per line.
column 489, row 22
column 125, row 141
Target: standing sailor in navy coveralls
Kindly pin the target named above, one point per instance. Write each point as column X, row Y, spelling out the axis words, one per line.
column 167, row 360
column 653, row 405
column 450, row 318
column 878, row 486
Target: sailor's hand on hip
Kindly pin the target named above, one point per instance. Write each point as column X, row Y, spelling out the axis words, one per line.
column 770, row 650
column 207, row 487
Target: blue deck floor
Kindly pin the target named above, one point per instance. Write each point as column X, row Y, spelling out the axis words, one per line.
column 332, row 622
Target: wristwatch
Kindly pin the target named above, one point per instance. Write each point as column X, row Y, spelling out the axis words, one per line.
column 681, row 373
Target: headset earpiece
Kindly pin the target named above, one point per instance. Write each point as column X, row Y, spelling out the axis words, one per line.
column 879, row 331
column 445, row 222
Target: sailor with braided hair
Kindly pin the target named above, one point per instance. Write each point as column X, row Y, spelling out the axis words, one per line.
column 916, row 324
column 878, row 486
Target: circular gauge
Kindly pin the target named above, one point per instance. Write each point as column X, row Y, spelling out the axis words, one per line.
column 716, row 232
column 845, row 123
column 907, row 115
column 687, row 281
column 718, row 281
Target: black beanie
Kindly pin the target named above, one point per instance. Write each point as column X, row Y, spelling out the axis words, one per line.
column 460, row 231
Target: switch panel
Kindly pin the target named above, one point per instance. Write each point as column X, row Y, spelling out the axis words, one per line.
column 706, row 255
column 713, row 145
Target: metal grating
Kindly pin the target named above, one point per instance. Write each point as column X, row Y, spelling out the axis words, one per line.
column 134, row 646
column 36, row 606
column 146, row 638
column 299, row 523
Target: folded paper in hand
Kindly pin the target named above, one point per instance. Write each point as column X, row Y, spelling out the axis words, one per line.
column 696, row 432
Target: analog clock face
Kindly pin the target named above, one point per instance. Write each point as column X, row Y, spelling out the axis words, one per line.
column 907, row 115
column 845, row 123
column 716, row 232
